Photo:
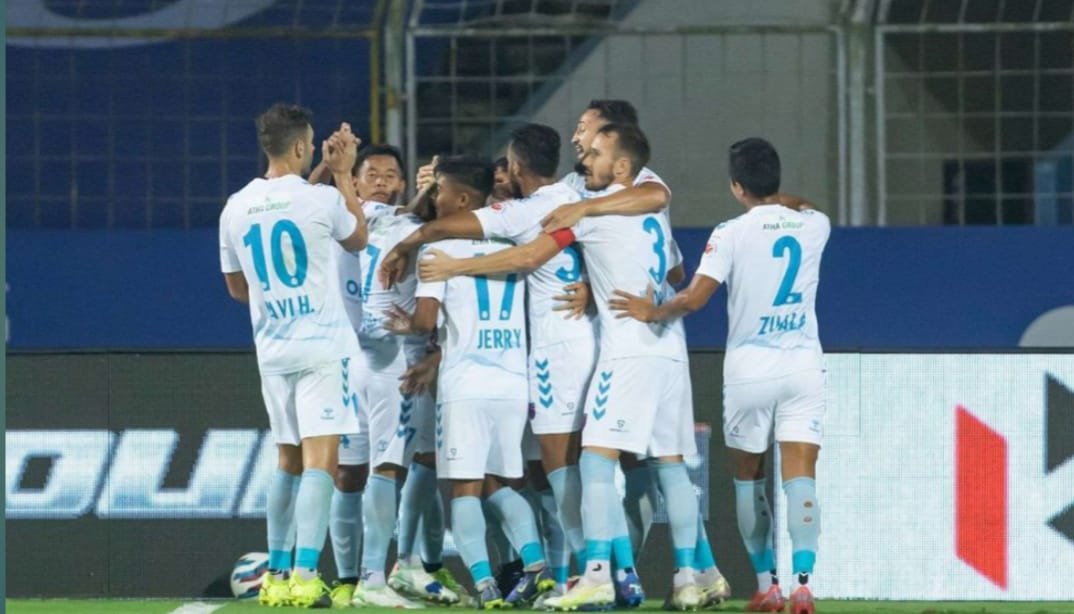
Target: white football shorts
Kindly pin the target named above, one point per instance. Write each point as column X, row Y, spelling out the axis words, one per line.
column 310, row 403
column 641, row 404
column 480, row 437
column 559, row 375
column 794, row 404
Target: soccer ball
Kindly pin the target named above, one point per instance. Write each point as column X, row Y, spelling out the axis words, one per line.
column 247, row 573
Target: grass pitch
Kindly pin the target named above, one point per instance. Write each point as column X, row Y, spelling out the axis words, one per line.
column 134, row 606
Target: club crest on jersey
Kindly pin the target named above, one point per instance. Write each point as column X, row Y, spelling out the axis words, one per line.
column 710, row 247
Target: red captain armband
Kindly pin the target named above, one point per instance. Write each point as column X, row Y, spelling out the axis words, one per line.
column 563, row 237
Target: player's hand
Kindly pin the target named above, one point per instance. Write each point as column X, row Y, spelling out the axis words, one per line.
column 399, row 321
column 422, row 376
column 565, row 216
column 435, row 265
column 393, row 267
column 340, row 150
column 641, row 308
column 794, row 202
column 427, row 175
column 574, row 300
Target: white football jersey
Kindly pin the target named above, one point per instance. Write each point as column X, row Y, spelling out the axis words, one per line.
column 769, row 258
column 362, row 287
column 350, row 268
column 282, row 234
column 482, row 329
column 576, row 181
column 520, row 221
column 633, row 254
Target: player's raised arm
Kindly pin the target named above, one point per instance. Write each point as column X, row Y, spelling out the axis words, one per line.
column 340, row 152
column 438, row 266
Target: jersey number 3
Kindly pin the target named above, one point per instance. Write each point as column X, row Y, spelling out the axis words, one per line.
column 651, row 226
column 785, row 294
column 280, row 264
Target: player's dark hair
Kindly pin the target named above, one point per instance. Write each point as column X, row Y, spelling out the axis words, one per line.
column 754, row 164
column 470, row 171
column 537, row 148
column 630, row 142
column 280, row 126
column 379, row 150
column 615, row 111
column 500, row 164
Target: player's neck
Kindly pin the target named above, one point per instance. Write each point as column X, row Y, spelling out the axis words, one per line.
column 749, row 202
column 280, row 168
column 529, row 184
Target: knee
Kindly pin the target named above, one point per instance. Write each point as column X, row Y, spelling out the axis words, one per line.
column 748, row 467
column 538, row 478
column 290, row 459
column 351, row 478
column 391, row 471
column 466, row 488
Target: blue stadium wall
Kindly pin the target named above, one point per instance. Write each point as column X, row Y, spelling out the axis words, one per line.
column 919, row 288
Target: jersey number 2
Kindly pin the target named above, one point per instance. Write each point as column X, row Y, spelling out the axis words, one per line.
column 279, row 264
column 785, row 295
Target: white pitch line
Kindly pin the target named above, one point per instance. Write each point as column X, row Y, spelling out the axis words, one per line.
column 198, row 607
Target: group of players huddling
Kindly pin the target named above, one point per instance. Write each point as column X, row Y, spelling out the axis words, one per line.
column 517, row 337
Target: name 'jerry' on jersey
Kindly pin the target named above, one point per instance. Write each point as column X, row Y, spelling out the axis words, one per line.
column 482, row 329
column 769, row 258
column 519, row 220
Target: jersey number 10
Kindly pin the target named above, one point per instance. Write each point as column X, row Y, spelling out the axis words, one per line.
column 298, row 247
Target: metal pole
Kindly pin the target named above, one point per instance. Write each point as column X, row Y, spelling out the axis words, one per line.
column 841, row 110
column 881, row 132
column 857, row 62
column 395, row 58
column 410, row 99
column 376, row 90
